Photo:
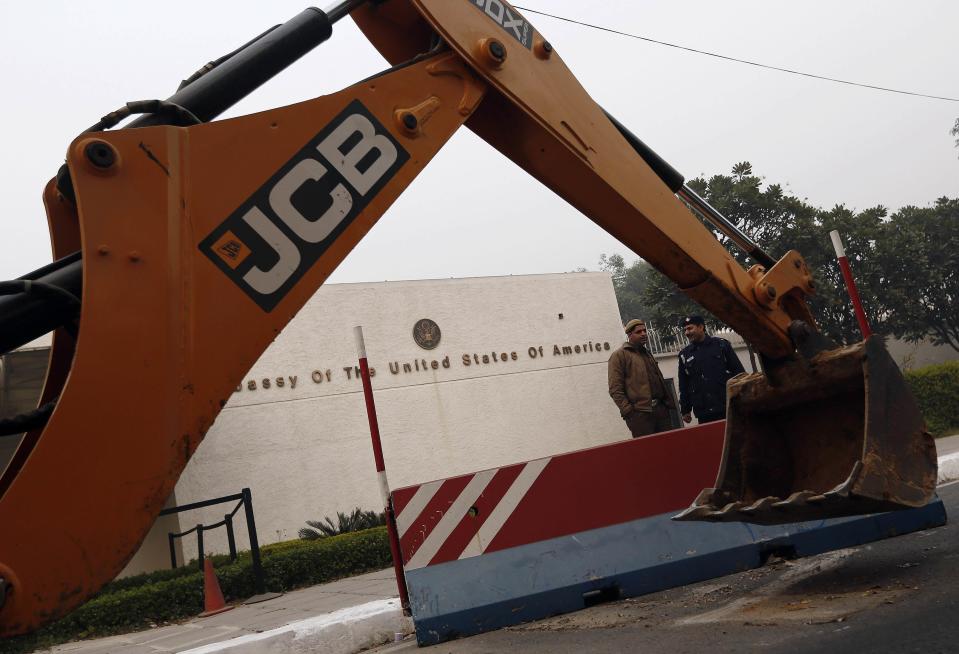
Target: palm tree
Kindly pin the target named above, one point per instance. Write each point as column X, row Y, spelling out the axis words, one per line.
column 358, row 520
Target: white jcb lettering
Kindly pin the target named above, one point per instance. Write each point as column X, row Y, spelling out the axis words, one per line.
column 269, row 281
column 346, row 162
column 281, row 201
column 495, row 10
column 296, row 218
column 514, row 24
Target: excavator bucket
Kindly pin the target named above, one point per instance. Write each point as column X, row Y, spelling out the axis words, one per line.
column 835, row 435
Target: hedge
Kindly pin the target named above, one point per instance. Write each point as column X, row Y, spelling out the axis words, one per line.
column 165, row 596
column 937, row 390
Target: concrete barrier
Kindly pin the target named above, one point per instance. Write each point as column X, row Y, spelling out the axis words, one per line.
column 522, row 542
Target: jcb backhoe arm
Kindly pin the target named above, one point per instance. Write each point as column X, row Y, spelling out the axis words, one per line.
column 826, row 431
column 200, row 242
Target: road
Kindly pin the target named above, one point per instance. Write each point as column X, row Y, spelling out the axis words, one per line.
column 896, row 595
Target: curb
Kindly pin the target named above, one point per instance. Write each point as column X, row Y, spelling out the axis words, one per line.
column 345, row 631
column 948, row 468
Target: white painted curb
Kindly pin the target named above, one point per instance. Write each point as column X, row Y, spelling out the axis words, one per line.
column 948, row 468
column 345, row 631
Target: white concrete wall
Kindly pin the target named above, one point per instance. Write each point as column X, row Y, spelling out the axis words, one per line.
column 304, row 449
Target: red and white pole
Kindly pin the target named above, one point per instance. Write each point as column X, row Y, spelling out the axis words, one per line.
column 850, row 284
column 381, row 469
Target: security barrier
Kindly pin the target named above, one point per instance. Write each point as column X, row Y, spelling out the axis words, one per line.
column 526, row 541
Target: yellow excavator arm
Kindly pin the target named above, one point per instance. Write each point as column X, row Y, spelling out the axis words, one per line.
column 184, row 245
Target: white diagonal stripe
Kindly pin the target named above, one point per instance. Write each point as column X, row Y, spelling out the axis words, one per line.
column 517, row 490
column 450, row 519
column 415, row 506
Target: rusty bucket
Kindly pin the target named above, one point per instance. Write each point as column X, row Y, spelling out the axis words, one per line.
column 835, row 435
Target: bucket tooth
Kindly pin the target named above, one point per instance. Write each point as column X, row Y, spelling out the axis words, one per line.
column 837, row 434
column 759, row 505
column 797, row 499
column 700, row 512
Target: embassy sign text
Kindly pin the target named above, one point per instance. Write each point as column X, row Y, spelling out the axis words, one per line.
column 417, row 366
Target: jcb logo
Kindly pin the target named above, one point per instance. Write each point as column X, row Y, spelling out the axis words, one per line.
column 267, row 244
column 508, row 18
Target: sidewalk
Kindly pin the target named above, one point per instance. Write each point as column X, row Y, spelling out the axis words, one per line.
column 342, row 617
column 948, row 450
column 947, row 445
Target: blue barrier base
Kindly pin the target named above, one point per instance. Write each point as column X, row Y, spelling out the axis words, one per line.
column 560, row 575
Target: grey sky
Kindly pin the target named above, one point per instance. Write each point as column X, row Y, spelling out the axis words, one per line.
column 472, row 212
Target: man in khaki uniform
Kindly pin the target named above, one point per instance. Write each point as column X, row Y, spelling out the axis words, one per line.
column 637, row 385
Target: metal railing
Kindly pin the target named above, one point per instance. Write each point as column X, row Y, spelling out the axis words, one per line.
column 246, row 501
column 671, row 341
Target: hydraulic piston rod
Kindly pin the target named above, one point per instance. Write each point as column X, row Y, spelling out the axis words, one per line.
column 26, row 316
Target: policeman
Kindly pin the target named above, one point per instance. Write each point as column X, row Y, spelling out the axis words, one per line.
column 705, row 365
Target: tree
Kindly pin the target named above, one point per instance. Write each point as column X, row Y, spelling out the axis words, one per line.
column 668, row 305
column 919, row 259
column 906, row 266
column 629, row 282
column 762, row 214
column 780, row 222
column 831, row 305
column 955, row 131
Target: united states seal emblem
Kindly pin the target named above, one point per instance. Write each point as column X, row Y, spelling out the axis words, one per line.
column 426, row 333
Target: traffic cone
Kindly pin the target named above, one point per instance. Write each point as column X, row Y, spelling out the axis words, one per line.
column 213, row 602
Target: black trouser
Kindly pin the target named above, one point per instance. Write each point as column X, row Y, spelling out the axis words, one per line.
column 642, row 423
column 710, row 417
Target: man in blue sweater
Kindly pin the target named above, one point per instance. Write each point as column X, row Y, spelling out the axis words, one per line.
column 705, row 365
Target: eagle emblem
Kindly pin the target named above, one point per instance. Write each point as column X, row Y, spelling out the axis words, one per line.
column 426, row 333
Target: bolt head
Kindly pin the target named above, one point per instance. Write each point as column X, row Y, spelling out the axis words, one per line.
column 771, row 292
column 497, row 50
column 547, row 46
column 100, row 154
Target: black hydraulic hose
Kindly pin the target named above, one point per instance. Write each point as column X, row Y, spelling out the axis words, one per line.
column 250, row 67
column 40, row 302
column 27, row 421
column 47, row 290
column 26, row 316
column 674, row 180
column 213, row 64
column 670, row 176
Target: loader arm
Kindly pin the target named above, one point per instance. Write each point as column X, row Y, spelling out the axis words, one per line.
column 200, row 243
column 556, row 132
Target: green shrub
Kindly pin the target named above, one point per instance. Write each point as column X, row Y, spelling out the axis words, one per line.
column 346, row 522
column 165, row 596
column 937, row 390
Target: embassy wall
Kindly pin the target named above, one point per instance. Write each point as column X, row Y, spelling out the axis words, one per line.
column 519, row 372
